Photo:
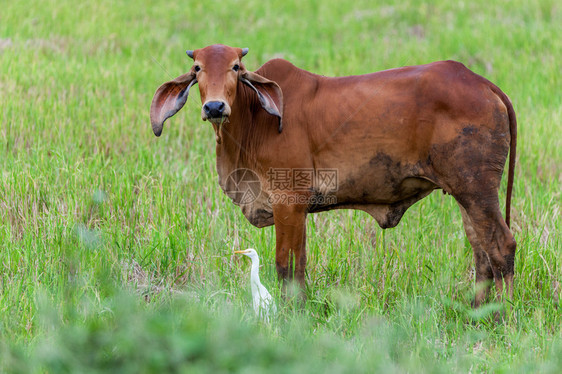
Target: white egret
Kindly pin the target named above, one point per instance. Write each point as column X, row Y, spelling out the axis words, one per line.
column 263, row 302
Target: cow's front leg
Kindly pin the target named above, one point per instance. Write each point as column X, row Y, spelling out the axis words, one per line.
column 290, row 231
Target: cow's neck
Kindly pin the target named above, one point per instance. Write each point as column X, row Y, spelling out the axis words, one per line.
column 233, row 148
column 239, row 156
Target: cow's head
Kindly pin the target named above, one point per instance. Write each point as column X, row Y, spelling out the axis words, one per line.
column 217, row 69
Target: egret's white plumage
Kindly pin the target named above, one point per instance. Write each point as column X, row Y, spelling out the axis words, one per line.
column 263, row 302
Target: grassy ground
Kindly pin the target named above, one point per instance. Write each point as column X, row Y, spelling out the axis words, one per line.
column 116, row 246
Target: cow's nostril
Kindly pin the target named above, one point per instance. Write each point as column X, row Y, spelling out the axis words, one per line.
column 214, row 109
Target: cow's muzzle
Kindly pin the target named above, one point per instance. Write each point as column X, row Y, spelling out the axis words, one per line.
column 215, row 111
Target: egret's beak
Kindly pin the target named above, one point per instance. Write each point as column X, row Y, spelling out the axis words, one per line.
column 244, row 251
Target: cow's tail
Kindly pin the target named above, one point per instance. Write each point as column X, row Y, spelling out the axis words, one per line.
column 512, row 150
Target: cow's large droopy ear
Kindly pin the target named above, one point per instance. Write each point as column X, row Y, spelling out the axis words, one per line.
column 169, row 99
column 269, row 93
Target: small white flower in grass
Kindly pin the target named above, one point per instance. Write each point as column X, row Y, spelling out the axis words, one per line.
column 263, row 302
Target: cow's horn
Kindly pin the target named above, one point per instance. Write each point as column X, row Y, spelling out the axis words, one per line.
column 245, row 51
column 189, row 53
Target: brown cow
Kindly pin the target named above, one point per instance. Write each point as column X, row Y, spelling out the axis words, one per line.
column 290, row 142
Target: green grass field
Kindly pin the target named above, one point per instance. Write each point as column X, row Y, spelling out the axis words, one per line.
column 116, row 246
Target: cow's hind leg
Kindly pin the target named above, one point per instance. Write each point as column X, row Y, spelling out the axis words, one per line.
column 491, row 240
column 484, row 276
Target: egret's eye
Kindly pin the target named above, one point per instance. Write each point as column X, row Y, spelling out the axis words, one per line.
column 236, row 67
column 197, row 68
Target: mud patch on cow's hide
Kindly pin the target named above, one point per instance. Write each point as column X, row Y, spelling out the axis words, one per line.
column 380, row 181
column 469, row 130
column 385, row 187
column 396, row 173
column 385, row 160
column 470, row 166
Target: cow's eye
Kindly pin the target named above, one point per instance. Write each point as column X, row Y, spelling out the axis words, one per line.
column 236, row 67
column 197, row 68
